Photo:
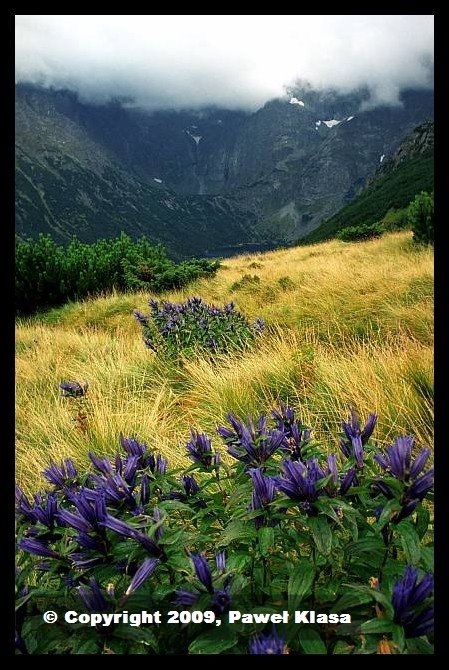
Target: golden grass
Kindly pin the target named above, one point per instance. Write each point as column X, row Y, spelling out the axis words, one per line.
column 351, row 325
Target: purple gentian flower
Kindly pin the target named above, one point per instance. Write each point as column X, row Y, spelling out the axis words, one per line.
column 83, row 561
column 297, row 435
column 93, row 597
column 348, row 480
column 73, row 389
column 299, row 482
column 146, row 570
column 37, row 547
column 145, row 489
column 398, row 462
column 221, row 600
column 190, row 485
column 266, row 643
column 132, row 446
column 199, row 449
column 157, row 465
column 220, row 558
column 186, row 598
column 141, row 318
column 59, row 474
column 253, row 445
column 408, row 593
column 202, row 570
column 103, row 465
column 356, row 438
column 263, row 494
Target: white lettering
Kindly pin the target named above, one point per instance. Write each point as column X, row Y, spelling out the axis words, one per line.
column 301, row 617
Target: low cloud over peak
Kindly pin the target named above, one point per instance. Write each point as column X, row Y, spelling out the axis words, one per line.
column 235, row 62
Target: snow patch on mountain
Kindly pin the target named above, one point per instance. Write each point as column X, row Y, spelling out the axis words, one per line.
column 195, row 138
column 381, row 158
column 295, row 101
column 331, row 123
column 159, row 181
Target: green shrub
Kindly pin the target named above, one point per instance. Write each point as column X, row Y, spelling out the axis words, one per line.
column 194, row 326
column 420, row 218
column 286, row 283
column 363, row 232
column 246, row 282
column 395, row 219
column 48, row 275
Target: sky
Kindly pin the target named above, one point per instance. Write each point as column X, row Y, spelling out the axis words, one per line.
column 233, row 62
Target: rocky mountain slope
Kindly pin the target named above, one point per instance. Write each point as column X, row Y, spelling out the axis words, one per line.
column 203, row 180
column 406, row 172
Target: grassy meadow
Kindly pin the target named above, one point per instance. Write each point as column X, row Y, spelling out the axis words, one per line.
column 347, row 324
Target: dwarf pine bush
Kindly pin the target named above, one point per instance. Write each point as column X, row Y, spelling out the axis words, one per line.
column 185, row 328
column 285, row 527
column 421, row 218
column 362, row 232
column 47, row 275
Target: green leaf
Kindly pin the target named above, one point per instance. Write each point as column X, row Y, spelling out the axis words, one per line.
column 266, row 540
column 422, row 521
column 399, row 637
column 419, row 645
column 387, row 512
column 351, row 599
column 137, row 634
column 343, row 648
column 427, row 558
column 237, row 562
column 21, row 601
column 377, row 625
column 322, row 534
column 410, row 542
column 213, row 641
column 87, row 647
column 375, row 595
column 300, row 583
column 311, row 641
column 237, row 530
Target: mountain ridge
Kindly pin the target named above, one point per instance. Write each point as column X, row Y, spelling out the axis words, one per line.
column 203, row 180
column 402, row 175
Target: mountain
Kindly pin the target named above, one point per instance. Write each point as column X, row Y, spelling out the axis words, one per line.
column 69, row 183
column 406, row 172
column 199, row 181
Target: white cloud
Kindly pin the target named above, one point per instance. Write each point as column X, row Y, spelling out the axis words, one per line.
column 229, row 61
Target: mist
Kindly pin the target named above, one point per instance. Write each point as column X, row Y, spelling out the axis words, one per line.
column 233, row 62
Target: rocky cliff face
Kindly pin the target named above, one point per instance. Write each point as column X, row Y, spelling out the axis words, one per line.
column 229, row 176
column 419, row 142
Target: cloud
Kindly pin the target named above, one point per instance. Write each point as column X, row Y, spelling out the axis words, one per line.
column 193, row 61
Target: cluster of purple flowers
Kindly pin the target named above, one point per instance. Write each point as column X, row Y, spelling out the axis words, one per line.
column 304, row 479
column 251, row 443
column 398, row 463
column 220, row 598
column 119, row 515
column 195, row 323
column 85, row 509
column 409, row 598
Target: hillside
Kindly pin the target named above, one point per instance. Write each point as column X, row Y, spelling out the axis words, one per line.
column 217, row 179
column 69, row 184
column 408, row 171
column 346, row 324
